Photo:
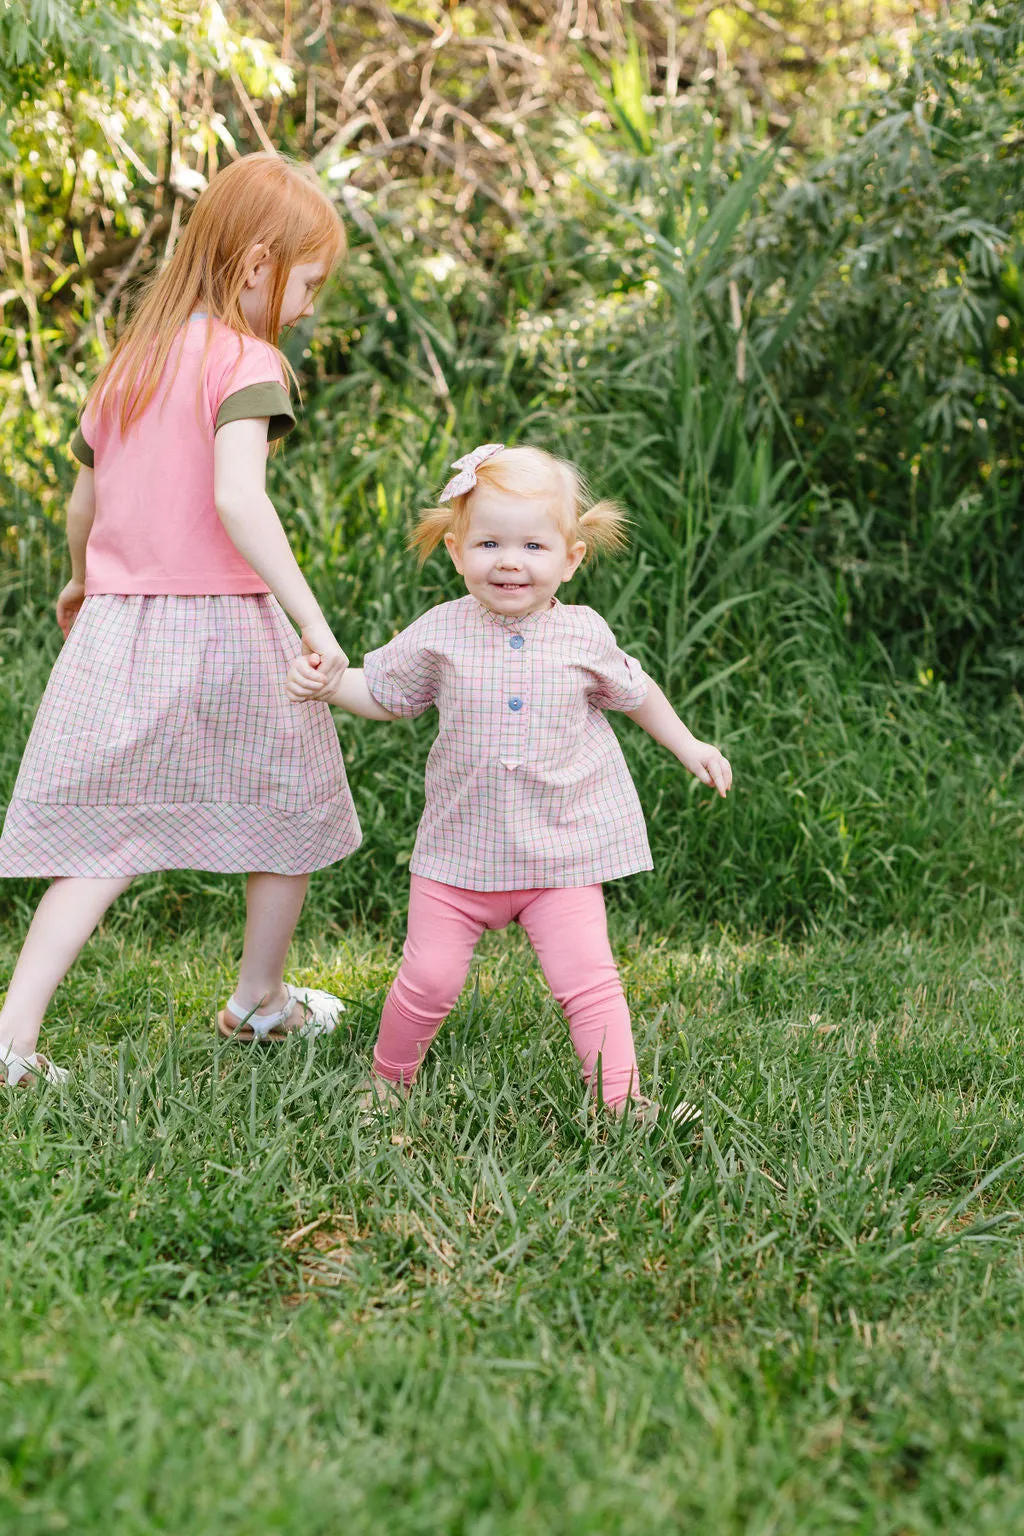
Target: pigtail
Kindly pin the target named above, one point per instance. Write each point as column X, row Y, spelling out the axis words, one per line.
column 430, row 529
column 603, row 528
column 533, row 474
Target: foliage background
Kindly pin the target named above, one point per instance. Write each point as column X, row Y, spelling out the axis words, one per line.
column 756, row 267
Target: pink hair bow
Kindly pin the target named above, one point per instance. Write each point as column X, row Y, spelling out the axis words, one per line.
column 467, row 466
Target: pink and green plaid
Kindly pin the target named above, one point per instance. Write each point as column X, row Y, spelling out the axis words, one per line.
column 526, row 784
column 165, row 740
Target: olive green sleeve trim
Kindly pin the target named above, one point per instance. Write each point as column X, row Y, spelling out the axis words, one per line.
column 81, row 450
column 270, row 400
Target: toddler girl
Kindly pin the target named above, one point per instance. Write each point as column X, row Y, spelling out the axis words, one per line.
column 165, row 738
column 529, row 804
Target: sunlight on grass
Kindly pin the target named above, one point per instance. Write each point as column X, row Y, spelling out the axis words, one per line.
column 211, row 1257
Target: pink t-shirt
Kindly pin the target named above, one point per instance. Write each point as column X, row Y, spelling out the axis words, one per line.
column 156, row 527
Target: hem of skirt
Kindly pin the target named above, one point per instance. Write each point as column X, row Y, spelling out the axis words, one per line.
column 546, row 882
column 49, row 841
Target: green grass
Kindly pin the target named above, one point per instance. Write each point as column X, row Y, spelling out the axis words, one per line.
column 229, row 1306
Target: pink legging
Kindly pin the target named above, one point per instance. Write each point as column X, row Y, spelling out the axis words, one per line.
column 569, row 931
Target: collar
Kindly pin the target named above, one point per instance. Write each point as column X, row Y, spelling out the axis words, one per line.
column 513, row 621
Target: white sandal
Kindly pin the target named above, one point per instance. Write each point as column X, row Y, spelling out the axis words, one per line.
column 648, row 1111
column 16, row 1068
column 321, row 1010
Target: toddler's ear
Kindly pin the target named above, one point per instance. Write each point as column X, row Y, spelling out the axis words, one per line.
column 451, row 544
column 573, row 557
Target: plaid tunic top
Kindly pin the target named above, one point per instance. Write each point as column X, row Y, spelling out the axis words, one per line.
column 526, row 785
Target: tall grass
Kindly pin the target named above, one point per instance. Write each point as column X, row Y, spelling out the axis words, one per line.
column 869, row 792
column 861, row 799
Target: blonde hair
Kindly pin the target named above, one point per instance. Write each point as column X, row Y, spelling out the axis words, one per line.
column 534, row 474
column 263, row 201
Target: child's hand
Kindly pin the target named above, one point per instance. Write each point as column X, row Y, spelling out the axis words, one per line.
column 706, row 763
column 305, row 679
column 317, row 640
column 69, row 605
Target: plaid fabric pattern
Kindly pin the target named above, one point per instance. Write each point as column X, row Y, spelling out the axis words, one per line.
column 526, row 785
column 165, row 740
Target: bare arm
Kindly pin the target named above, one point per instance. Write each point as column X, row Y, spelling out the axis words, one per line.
column 657, row 717
column 80, row 516
column 254, row 528
column 81, row 513
column 351, row 693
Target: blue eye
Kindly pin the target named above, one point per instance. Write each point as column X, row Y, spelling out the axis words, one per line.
column 488, row 543
column 532, row 544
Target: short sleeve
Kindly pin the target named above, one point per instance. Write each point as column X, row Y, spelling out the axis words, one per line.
column 80, row 445
column 403, row 675
column 81, row 449
column 246, row 380
column 618, row 680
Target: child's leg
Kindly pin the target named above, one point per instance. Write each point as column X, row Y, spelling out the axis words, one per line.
column 445, row 923
column 64, row 919
column 569, row 931
column 273, row 907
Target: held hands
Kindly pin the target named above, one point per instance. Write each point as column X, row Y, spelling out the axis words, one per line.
column 706, row 763
column 305, row 679
column 322, row 665
column 69, row 605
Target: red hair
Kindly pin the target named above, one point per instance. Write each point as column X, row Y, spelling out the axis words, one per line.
column 262, row 204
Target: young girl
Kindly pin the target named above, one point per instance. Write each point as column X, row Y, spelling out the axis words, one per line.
column 529, row 804
column 165, row 738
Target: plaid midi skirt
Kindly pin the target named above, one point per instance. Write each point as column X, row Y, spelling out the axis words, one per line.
column 165, row 740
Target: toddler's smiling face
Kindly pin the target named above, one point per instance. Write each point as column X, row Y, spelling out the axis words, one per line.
column 514, row 555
